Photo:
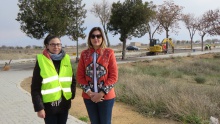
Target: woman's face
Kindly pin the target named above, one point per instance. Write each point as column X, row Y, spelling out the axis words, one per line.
column 96, row 39
column 54, row 46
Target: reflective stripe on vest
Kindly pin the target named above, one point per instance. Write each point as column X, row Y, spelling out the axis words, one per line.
column 54, row 85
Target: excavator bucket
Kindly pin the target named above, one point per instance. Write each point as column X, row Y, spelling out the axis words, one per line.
column 7, row 66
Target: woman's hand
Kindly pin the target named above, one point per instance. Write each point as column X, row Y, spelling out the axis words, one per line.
column 41, row 114
column 97, row 97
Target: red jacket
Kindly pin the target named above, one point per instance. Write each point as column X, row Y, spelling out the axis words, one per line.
column 107, row 72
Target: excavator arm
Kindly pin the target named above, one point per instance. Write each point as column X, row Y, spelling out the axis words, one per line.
column 169, row 40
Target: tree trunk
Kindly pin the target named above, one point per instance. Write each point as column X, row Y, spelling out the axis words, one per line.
column 167, row 36
column 167, row 33
column 202, row 41
column 149, row 32
column 123, row 49
column 107, row 40
column 191, row 42
column 150, row 35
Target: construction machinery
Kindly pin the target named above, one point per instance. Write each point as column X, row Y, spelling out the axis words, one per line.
column 156, row 46
column 208, row 47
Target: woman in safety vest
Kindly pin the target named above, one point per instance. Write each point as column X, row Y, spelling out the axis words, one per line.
column 97, row 74
column 53, row 83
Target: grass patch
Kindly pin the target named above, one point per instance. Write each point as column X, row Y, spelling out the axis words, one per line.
column 169, row 88
column 85, row 119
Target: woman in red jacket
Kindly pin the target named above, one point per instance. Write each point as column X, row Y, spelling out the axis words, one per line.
column 97, row 74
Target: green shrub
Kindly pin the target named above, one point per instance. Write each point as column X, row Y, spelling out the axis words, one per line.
column 192, row 119
column 200, row 80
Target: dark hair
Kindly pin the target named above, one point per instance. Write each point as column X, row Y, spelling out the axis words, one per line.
column 48, row 38
column 103, row 45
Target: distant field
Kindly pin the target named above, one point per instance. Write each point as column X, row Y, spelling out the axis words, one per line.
column 7, row 54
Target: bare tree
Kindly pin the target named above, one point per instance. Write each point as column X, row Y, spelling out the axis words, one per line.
column 168, row 15
column 154, row 25
column 203, row 29
column 103, row 12
column 213, row 17
column 191, row 24
column 209, row 23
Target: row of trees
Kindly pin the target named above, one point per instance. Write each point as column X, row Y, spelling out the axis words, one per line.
column 20, row 47
column 131, row 18
column 208, row 41
column 208, row 23
column 165, row 17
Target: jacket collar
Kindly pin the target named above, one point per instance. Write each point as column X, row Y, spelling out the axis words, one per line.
column 98, row 51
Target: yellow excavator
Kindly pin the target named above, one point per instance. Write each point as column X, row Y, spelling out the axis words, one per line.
column 160, row 47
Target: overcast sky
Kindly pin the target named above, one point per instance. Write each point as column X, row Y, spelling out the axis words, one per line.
column 11, row 35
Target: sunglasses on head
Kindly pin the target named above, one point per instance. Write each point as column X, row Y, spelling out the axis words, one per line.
column 98, row 36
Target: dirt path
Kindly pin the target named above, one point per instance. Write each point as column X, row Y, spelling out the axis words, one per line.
column 122, row 113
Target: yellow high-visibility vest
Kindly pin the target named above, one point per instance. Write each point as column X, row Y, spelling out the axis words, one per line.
column 54, row 84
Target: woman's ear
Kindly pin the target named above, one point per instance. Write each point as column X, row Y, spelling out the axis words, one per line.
column 46, row 46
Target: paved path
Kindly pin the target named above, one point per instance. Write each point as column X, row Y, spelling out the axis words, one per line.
column 15, row 103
